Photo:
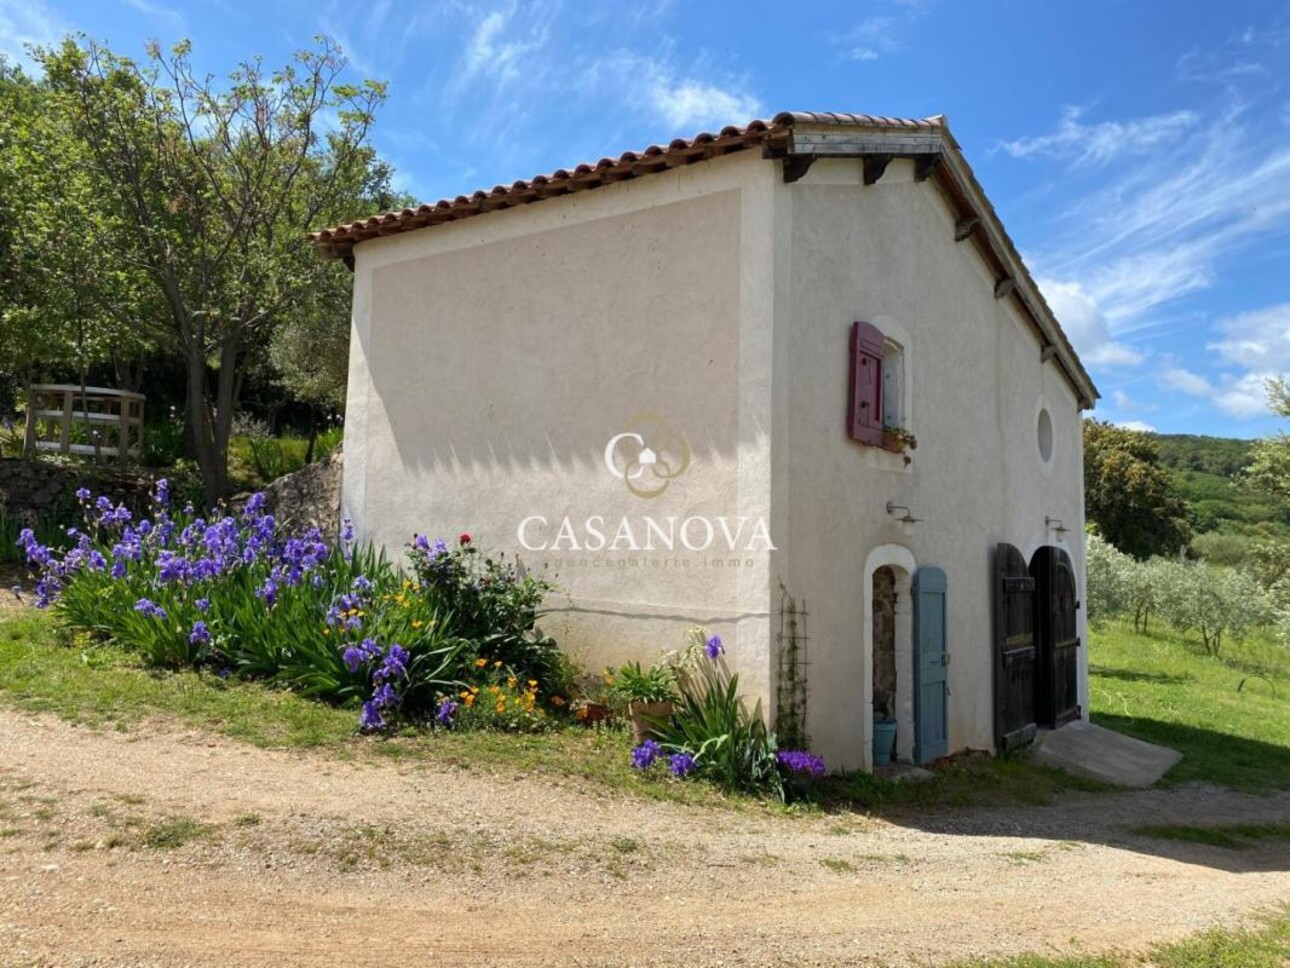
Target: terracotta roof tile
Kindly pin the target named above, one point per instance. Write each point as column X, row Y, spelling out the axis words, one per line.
column 339, row 240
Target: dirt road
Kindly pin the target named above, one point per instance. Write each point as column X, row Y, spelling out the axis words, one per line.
column 162, row 847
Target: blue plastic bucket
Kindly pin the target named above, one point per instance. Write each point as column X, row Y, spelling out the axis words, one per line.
column 884, row 741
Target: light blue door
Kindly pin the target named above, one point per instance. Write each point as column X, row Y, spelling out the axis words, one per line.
column 931, row 667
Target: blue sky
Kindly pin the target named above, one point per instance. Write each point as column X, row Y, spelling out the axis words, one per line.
column 1139, row 152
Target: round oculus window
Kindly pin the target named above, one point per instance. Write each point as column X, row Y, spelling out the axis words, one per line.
column 1045, row 435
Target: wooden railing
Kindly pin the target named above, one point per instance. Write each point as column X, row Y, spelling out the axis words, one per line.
column 93, row 422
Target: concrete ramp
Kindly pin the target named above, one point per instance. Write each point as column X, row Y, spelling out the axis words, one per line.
column 1103, row 754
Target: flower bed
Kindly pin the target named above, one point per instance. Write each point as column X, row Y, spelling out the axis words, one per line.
column 233, row 593
column 712, row 735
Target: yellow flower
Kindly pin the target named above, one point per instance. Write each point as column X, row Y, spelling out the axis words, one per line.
column 497, row 664
column 474, row 689
column 417, row 623
column 464, row 694
column 480, row 663
column 511, row 682
column 532, row 683
column 326, row 630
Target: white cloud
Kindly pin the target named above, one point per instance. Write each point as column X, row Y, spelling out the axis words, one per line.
column 1243, row 395
column 1139, row 425
column 1257, row 340
column 28, row 22
column 692, row 103
column 1086, row 325
column 1185, row 381
column 1078, row 143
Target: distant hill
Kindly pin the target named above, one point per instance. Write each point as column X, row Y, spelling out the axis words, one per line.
column 1206, row 469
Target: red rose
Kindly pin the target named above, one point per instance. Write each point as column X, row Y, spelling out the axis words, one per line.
column 464, row 538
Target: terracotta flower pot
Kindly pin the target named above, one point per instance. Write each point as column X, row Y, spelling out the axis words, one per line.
column 591, row 713
column 645, row 716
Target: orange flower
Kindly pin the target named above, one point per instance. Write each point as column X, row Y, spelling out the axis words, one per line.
column 581, row 713
column 559, row 701
column 480, row 663
column 470, row 699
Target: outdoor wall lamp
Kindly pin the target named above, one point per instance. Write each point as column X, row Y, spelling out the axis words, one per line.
column 907, row 519
column 1055, row 524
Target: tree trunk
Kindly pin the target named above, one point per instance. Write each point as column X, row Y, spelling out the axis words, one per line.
column 313, row 434
column 205, row 451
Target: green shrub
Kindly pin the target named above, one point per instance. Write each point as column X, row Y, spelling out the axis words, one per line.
column 632, row 684
column 492, row 602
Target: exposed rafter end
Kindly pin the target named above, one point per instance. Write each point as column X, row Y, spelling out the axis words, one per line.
column 1046, row 353
column 1004, row 286
column 966, row 226
column 795, row 166
column 874, row 166
column 925, row 166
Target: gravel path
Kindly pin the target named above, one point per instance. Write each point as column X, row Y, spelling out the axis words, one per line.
column 176, row 848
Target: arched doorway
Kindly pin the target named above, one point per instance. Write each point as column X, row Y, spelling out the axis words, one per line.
column 888, row 686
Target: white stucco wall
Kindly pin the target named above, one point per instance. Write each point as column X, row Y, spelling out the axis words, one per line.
column 493, row 359
column 886, row 254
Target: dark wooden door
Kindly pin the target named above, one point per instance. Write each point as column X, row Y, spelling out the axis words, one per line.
column 1057, row 636
column 1015, row 650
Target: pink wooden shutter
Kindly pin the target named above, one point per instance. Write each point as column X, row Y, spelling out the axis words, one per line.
column 864, row 405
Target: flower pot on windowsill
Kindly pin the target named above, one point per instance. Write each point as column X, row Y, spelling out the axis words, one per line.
column 899, row 441
column 646, row 717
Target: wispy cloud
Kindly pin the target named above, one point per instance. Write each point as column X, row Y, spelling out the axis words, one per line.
column 882, row 34
column 26, row 23
column 1078, row 143
column 1163, row 206
column 499, row 45
column 173, row 19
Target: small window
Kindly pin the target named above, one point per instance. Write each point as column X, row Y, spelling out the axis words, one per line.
column 893, row 386
column 1045, row 435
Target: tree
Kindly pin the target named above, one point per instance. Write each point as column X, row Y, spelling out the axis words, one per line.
column 63, row 304
column 1212, row 601
column 1129, row 495
column 1269, row 468
column 309, row 348
column 214, row 188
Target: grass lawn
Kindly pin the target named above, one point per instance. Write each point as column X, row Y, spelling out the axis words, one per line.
column 1229, row 716
column 1263, row 945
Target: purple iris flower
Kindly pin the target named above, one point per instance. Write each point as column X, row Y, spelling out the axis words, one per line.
column 714, row 647
column 371, row 719
column 681, row 764
column 202, row 604
column 147, row 607
column 443, row 715
column 799, row 761
column 82, row 494
column 353, row 657
column 644, row 755
column 200, row 634
column 161, row 495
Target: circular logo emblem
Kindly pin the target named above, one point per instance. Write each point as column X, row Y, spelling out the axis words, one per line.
column 647, row 456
